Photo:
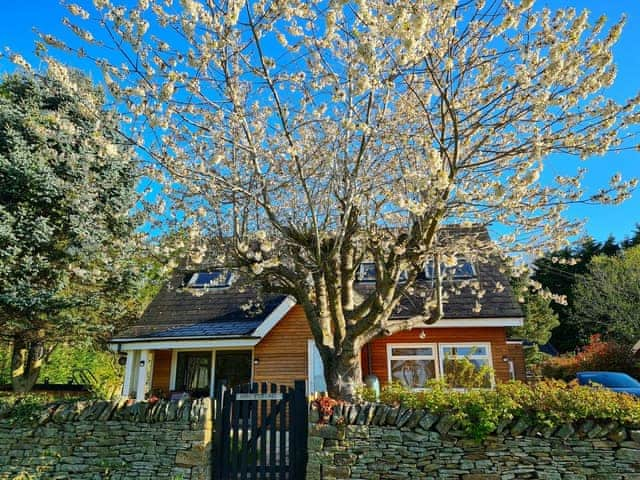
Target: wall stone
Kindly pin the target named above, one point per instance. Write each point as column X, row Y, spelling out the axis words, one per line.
column 376, row 442
column 109, row 440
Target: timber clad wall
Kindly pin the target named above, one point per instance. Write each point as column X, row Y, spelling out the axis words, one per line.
column 377, row 349
column 282, row 354
column 161, row 370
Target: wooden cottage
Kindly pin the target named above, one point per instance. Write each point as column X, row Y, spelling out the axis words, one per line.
column 204, row 327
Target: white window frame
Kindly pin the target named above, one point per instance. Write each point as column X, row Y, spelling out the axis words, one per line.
column 391, row 356
column 488, row 356
column 311, row 346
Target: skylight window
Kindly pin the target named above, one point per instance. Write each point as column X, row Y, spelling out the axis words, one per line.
column 464, row 269
column 367, row 273
column 219, row 278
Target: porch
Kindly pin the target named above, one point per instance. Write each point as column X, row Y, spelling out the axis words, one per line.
column 185, row 372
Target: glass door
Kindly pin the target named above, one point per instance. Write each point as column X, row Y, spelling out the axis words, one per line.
column 233, row 366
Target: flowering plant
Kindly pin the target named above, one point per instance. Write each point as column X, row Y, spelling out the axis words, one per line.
column 325, row 407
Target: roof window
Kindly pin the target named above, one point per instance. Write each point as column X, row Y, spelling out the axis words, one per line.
column 367, row 273
column 463, row 269
column 219, row 278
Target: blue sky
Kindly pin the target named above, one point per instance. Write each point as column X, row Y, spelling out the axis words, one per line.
column 20, row 17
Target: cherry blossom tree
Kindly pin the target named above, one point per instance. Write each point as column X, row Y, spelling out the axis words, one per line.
column 297, row 138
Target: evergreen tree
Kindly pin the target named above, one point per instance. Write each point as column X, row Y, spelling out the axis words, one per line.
column 539, row 319
column 557, row 272
column 606, row 297
column 560, row 272
column 67, row 239
column 633, row 240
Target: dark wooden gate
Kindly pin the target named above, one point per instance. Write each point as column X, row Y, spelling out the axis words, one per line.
column 261, row 432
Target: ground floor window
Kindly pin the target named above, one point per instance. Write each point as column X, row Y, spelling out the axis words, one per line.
column 412, row 365
column 193, row 373
column 460, row 365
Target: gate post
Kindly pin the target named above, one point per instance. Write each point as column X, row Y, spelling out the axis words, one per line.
column 300, row 429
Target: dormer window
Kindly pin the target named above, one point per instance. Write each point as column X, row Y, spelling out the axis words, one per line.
column 367, row 272
column 463, row 270
column 219, row 278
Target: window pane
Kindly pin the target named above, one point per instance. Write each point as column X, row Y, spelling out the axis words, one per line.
column 193, row 372
column 464, row 269
column 413, row 373
column 426, row 351
column 367, row 271
column 464, row 350
column 318, row 382
column 215, row 278
column 463, row 373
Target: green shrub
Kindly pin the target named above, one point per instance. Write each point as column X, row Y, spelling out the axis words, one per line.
column 23, row 408
column 67, row 362
column 546, row 404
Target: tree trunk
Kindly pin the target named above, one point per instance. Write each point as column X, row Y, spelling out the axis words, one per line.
column 343, row 374
column 26, row 362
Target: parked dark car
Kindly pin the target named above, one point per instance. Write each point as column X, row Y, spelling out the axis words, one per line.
column 616, row 381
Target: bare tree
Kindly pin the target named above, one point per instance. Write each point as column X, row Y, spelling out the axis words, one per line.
column 305, row 136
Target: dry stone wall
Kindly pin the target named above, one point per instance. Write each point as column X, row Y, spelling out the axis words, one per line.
column 109, row 440
column 376, row 442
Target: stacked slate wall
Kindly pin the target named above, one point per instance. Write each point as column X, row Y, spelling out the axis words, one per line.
column 108, row 440
column 375, row 442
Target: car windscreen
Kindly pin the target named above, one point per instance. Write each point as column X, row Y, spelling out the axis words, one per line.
column 612, row 381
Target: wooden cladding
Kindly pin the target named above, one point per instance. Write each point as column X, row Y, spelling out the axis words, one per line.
column 374, row 355
column 161, row 370
column 281, row 356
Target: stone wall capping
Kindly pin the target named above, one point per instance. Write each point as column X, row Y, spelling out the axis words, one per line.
column 99, row 411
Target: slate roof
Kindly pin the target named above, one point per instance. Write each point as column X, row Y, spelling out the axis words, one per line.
column 176, row 312
column 460, row 302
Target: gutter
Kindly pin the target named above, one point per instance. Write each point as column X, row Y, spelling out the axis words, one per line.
column 119, row 341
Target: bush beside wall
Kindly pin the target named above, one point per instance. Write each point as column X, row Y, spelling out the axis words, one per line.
column 107, row 440
column 376, row 442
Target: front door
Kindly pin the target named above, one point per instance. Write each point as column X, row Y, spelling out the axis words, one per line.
column 233, row 366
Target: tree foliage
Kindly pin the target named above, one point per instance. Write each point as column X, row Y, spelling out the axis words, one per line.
column 559, row 272
column 301, row 137
column 539, row 318
column 67, row 239
column 597, row 355
column 607, row 296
